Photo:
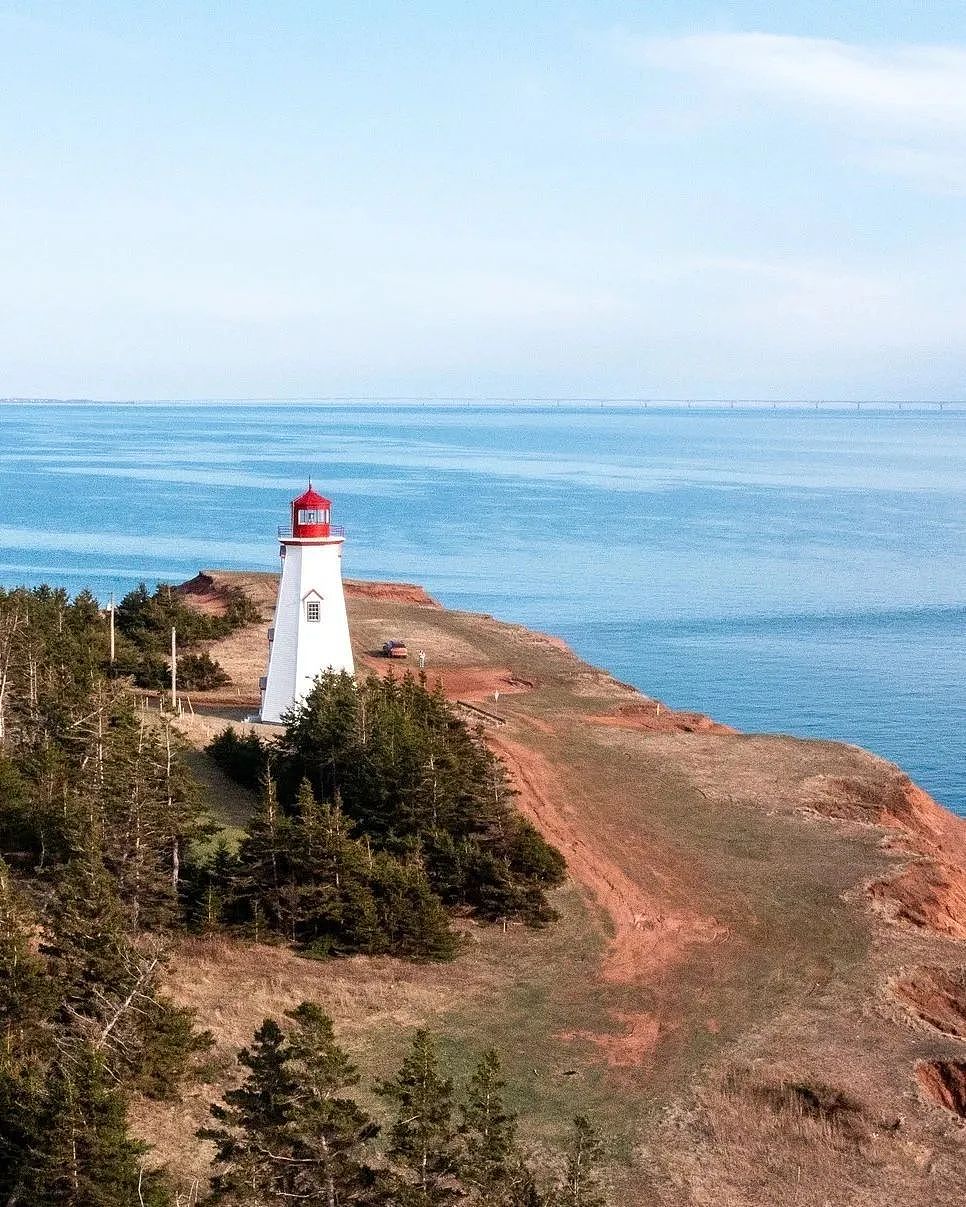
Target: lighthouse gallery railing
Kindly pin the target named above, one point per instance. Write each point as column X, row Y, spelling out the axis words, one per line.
column 334, row 530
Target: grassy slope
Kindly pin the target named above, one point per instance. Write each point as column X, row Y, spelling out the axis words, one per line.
column 717, row 943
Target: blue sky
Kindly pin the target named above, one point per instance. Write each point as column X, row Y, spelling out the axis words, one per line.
column 305, row 198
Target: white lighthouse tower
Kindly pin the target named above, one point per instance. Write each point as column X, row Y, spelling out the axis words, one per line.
column 311, row 631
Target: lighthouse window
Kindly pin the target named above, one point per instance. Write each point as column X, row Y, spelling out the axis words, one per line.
column 313, row 610
column 312, row 515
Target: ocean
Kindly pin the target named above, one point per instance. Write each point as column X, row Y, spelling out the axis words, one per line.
column 784, row 570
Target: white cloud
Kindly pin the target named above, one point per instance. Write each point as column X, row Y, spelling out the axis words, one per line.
column 921, row 87
column 940, row 170
column 898, row 110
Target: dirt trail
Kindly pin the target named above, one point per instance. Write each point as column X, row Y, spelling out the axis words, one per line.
column 646, row 937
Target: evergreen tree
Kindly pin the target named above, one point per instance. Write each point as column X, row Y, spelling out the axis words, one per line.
column 321, row 737
column 18, row 822
column 263, row 887
column 144, row 805
column 423, row 1143
column 411, row 918
column 289, row 1132
column 27, row 1000
column 200, row 672
column 84, row 936
column 245, row 758
column 294, row 1132
column 107, row 984
column 209, row 886
column 581, row 1186
column 336, row 908
column 27, row 994
column 168, row 1047
column 412, row 776
column 487, row 1130
column 144, row 623
column 331, row 1130
column 252, row 1140
column 81, row 1154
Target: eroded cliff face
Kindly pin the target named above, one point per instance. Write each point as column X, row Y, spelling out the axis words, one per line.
column 930, row 889
column 936, row 995
column 757, row 984
column 944, row 1082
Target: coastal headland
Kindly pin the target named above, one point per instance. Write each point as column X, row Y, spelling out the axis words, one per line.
column 757, row 983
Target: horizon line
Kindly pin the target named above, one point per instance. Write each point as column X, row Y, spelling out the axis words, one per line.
column 485, row 399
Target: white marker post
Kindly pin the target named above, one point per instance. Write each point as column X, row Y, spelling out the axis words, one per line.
column 174, row 670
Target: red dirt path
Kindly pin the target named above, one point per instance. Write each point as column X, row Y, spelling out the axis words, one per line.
column 646, row 939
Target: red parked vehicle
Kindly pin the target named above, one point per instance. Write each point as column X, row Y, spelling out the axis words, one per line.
column 395, row 649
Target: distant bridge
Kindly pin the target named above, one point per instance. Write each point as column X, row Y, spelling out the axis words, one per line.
column 522, row 400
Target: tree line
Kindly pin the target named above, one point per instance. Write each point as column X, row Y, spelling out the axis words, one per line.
column 380, row 811
column 295, row 1131
column 144, row 622
column 97, row 815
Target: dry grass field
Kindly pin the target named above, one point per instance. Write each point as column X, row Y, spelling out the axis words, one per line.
column 756, row 983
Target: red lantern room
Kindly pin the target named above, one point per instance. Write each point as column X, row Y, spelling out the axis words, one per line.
column 310, row 515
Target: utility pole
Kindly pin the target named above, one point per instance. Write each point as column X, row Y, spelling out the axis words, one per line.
column 112, row 628
column 174, row 670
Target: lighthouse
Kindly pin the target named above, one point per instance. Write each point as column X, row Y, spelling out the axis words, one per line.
column 310, row 633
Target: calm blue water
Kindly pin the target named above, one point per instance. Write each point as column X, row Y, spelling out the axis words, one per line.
column 799, row 571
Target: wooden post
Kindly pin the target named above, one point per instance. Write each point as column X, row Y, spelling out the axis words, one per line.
column 174, row 670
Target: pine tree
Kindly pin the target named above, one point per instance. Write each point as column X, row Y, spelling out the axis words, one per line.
column 263, row 885
column 289, row 1133
column 321, row 737
column 487, row 1129
column 27, row 1000
column 332, row 872
column 143, row 815
column 168, row 1047
column 84, row 933
column 18, row 821
column 581, row 1187
column 27, row 994
column 252, row 1139
column 414, row 778
column 208, row 888
column 81, row 1154
column 412, row 920
column 245, row 758
column 331, row 1131
column 107, row 983
column 423, row 1143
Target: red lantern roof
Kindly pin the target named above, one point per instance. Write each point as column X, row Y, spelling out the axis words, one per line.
column 310, row 514
column 312, row 499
